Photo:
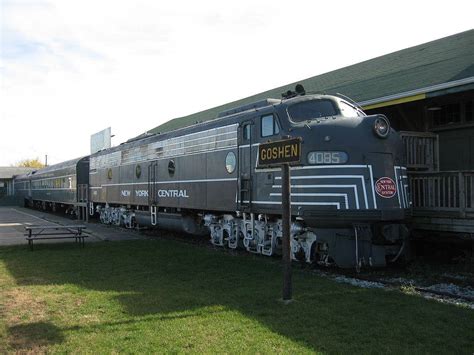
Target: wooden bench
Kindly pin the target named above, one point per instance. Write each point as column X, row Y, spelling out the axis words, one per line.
column 55, row 232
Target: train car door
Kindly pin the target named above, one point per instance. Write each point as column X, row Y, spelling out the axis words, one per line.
column 152, row 186
column 244, row 193
column 29, row 188
column 153, row 191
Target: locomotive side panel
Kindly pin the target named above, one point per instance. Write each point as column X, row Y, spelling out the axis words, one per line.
column 191, row 190
column 185, row 171
column 168, row 192
column 138, row 178
column 97, row 193
column 126, row 189
column 222, row 180
column 112, row 185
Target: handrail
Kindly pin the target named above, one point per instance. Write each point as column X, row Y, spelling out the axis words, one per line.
column 83, row 193
column 422, row 150
column 445, row 191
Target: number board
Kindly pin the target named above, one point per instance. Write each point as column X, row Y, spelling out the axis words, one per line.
column 327, row 157
column 279, row 152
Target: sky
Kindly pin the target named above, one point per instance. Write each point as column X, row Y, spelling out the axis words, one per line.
column 69, row 69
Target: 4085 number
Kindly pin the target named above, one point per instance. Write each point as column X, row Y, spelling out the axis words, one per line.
column 318, row 158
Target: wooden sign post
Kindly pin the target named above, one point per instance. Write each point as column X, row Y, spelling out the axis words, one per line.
column 283, row 153
column 286, row 225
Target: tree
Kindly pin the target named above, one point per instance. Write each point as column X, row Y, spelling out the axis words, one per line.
column 30, row 163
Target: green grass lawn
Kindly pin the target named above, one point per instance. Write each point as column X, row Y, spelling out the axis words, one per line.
column 166, row 296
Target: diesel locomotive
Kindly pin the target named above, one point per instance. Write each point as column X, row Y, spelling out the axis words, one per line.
column 349, row 192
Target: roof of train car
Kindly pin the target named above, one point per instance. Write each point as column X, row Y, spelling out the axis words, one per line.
column 7, row 172
column 433, row 63
column 22, row 176
column 231, row 118
column 59, row 166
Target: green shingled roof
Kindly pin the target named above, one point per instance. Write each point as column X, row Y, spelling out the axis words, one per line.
column 441, row 61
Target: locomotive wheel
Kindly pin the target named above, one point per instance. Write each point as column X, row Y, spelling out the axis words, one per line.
column 225, row 238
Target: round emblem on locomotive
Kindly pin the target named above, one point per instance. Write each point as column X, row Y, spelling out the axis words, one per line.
column 385, row 187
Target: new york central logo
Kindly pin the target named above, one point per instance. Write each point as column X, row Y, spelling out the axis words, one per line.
column 385, row 187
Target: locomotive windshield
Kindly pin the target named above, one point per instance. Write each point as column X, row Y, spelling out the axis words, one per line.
column 308, row 110
column 348, row 110
column 313, row 109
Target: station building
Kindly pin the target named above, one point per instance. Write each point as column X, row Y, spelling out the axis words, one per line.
column 427, row 92
column 6, row 179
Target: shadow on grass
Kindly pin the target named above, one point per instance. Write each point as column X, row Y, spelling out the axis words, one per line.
column 159, row 280
column 33, row 336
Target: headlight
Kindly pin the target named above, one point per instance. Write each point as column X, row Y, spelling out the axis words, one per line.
column 381, row 127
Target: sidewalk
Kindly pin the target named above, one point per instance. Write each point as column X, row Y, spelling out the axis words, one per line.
column 13, row 221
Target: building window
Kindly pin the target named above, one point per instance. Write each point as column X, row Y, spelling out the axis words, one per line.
column 447, row 115
column 468, row 112
column 269, row 126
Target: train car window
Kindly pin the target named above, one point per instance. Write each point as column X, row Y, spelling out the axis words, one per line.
column 269, row 126
column 246, row 132
column 230, row 162
column 171, row 168
column 313, row 109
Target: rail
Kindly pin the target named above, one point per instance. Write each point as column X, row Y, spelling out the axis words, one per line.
column 422, row 149
column 447, row 191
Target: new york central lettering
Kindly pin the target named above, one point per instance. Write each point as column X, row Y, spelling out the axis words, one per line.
column 173, row 193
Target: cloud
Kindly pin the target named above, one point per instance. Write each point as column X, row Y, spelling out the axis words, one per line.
column 71, row 68
column 17, row 47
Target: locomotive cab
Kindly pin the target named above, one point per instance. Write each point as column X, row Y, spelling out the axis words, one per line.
column 350, row 191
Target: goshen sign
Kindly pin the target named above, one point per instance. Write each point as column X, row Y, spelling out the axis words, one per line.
column 279, row 152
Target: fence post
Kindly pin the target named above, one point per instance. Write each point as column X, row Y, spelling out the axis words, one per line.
column 436, row 153
column 462, row 195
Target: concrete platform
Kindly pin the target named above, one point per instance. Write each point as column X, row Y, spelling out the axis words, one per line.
column 13, row 221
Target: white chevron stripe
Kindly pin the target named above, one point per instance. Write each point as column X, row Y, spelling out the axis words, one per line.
column 353, row 187
column 361, row 177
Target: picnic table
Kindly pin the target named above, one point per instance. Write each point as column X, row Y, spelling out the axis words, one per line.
column 55, row 232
